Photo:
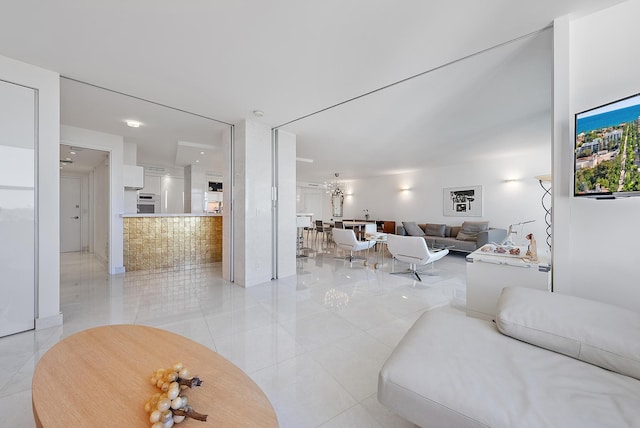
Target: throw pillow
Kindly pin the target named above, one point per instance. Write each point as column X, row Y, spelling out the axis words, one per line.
column 412, row 228
column 435, row 229
column 470, row 229
column 590, row 331
column 475, row 226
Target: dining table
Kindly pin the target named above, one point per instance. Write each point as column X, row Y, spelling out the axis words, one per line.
column 357, row 225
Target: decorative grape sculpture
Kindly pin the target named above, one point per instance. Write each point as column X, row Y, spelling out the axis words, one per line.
column 169, row 407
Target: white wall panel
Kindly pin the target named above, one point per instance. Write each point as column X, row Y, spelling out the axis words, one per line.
column 17, row 208
column 597, row 253
column 47, row 83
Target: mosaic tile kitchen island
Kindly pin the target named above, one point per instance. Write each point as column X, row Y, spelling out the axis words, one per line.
column 154, row 241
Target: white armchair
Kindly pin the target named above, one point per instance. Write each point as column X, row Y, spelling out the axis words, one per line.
column 412, row 250
column 345, row 239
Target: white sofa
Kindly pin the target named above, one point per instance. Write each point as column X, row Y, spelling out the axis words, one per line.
column 454, row 371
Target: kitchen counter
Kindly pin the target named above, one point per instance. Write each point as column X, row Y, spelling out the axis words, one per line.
column 158, row 241
column 172, row 215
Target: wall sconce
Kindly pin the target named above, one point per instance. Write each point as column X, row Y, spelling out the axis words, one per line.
column 405, row 189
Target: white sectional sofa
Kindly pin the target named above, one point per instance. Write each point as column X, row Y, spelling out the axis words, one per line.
column 454, row 371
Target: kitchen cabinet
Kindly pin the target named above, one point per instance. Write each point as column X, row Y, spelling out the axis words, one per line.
column 133, row 177
column 152, row 184
column 172, row 195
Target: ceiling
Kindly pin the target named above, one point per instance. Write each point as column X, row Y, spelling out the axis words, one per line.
column 166, row 137
column 223, row 60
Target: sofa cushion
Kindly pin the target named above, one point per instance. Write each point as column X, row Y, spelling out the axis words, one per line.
column 435, row 229
column 453, row 231
column 412, row 228
column 470, row 229
column 590, row 331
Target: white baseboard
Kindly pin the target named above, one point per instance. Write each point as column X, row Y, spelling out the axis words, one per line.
column 117, row 270
column 52, row 321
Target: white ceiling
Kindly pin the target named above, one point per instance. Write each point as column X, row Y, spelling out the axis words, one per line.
column 288, row 58
column 166, row 138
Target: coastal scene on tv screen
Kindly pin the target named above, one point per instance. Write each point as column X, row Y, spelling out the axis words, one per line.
column 607, row 150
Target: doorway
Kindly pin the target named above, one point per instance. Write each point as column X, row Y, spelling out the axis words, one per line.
column 84, row 200
column 70, row 214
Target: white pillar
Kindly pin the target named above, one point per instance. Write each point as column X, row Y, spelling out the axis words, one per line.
column 252, row 203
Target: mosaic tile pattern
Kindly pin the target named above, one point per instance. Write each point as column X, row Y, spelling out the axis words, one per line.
column 167, row 242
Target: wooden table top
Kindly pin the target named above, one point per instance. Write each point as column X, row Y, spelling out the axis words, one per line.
column 100, row 377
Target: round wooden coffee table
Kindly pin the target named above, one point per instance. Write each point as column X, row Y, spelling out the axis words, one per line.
column 100, row 377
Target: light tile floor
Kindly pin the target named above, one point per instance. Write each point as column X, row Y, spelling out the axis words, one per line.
column 314, row 342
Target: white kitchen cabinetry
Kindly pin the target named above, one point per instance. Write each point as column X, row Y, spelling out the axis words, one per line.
column 133, row 177
column 172, row 195
column 488, row 274
column 152, row 184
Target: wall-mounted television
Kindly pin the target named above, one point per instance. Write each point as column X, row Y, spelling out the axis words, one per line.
column 607, row 150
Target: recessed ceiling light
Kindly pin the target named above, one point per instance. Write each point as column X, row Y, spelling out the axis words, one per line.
column 68, row 159
column 197, row 160
column 258, row 113
column 72, row 152
column 133, row 123
column 201, row 153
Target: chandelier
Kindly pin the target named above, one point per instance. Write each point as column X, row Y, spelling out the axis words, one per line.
column 334, row 187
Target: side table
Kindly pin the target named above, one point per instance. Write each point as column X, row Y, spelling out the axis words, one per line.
column 381, row 243
column 488, row 274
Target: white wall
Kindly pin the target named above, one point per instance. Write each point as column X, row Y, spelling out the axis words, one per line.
column 113, row 144
column 47, row 83
column 595, row 253
column 504, row 202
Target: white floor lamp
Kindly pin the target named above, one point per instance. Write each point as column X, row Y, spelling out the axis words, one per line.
column 546, row 184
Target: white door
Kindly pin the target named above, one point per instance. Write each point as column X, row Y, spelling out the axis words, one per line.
column 70, row 221
column 17, row 208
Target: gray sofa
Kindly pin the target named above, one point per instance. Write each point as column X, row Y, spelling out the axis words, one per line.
column 467, row 237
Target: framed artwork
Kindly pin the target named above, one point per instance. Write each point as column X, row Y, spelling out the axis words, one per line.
column 462, row 201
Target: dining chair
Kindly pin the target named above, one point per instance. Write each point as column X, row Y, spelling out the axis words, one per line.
column 412, row 250
column 321, row 228
column 310, row 230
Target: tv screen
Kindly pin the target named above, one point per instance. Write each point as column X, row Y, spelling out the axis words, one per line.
column 607, row 151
